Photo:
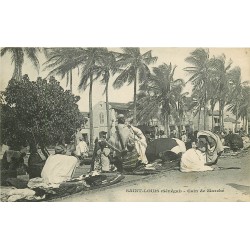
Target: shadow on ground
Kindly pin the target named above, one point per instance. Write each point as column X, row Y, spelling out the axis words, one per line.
column 244, row 189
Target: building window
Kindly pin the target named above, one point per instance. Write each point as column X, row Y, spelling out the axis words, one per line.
column 101, row 116
column 216, row 120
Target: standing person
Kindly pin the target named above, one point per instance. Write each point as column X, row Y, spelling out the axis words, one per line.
column 140, row 144
column 81, row 149
column 78, row 136
column 125, row 155
column 102, row 162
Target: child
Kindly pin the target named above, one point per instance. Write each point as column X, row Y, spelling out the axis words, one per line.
column 102, row 162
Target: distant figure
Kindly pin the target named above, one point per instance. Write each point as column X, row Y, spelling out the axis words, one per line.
column 102, row 162
column 82, row 149
column 184, row 136
column 162, row 134
column 78, row 136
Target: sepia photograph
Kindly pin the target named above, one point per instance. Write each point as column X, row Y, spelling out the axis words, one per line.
column 125, row 124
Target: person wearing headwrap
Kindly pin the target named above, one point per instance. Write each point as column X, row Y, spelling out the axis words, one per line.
column 122, row 142
column 140, row 143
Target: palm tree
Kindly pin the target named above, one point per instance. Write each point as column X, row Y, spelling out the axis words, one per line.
column 104, row 68
column 160, row 92
column 181, row 106
column 135, row 69
column 236, row 96
column 18, row 55
column 88, row 60
column 91, row 58
column 62, row 61
column 244, row 106
column 199, row 71
column 220, row 86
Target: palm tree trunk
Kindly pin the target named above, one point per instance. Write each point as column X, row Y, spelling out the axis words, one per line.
column 205, row 113
column 199, row 117
column 107, row 110
column 70, row 80
column 212, row 119
column 236, row 118
column 166, row 127
column 91, row 112
column 222, row 117
column 135, row 98
column 247, row 124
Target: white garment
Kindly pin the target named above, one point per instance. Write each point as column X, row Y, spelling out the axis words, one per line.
column 81, row 148
column 140, row 144
column 193, row 160
column 58, row 168
column 181, row 145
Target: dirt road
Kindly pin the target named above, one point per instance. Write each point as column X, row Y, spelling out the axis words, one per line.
column 217, row 185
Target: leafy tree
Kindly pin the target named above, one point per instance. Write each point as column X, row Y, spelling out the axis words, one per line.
column 39, row 112
column 18, row 55
column 160, row 92
column 135, row 69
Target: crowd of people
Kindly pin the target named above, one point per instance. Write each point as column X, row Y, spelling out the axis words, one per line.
column 127, row 149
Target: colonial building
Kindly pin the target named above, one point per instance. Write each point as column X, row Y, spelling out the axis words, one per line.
column 100, row 117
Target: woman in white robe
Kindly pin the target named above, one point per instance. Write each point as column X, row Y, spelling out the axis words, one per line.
column 194, row 160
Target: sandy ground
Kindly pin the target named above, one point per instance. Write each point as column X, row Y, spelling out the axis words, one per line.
column 217, row 185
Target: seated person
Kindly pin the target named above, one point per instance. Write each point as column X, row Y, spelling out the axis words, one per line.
column 194, row 159
column 59, row 167
column 12, row 160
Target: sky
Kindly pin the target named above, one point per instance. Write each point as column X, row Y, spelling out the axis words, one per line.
column 239, row 56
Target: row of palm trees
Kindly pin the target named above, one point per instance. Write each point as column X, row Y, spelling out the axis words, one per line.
column 213, row 80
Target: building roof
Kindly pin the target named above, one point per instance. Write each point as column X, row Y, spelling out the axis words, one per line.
column 84, row 114
column 121, row 106
column 230, row 119
column 216, row 112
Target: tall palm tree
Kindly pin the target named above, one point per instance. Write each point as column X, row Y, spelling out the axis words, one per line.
column 91, row 58
column 220, row 86
column 236, row 96
column 181, row 106
column 18, row 55
column 135, row 69
column 199, row 59
column 105, row 66
column 160, row 92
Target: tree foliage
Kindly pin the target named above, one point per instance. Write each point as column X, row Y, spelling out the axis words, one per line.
column 38, row 112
